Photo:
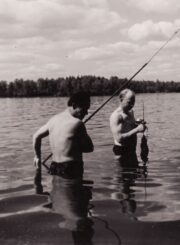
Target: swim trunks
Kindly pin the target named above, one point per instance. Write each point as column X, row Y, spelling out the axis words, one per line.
column 119, row 150
column 126, row 158
column 128, row 147
column 69, row 170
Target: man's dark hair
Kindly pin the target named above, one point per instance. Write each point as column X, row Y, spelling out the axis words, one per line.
column 80, row 99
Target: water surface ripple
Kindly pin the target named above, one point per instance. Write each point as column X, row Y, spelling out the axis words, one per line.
column 148, row 193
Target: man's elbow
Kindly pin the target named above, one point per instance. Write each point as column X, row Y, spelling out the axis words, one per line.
column 119, row 139
column 36, row 139
column 89, row 148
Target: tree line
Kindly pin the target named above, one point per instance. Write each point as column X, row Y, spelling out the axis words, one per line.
column 94, row 85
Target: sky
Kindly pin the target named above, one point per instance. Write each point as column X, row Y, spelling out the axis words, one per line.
column 59, row 38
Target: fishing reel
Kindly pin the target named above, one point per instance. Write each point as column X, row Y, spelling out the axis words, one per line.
column 140, row 121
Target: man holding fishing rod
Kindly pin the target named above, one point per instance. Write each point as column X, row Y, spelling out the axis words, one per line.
column 125, row 128
column 122, row 123
column 68, row 138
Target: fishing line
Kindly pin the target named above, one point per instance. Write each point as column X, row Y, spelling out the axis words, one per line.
column 107, row 226
column 123, row 86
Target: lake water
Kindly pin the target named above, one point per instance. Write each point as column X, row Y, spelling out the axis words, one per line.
column 115, row 203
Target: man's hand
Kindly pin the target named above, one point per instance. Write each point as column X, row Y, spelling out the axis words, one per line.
column 140, row 121
column 37, row 162
column 141, row 128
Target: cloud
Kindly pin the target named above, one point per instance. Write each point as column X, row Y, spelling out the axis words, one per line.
column 107, row 51
column 158, row 6
column 72, row 44
column 89, row 53
column 99, row 20
column 177, row 23
column 40, row 38
column 96, row 3
column 50, row 18
column 175, row 43
column 149, row 29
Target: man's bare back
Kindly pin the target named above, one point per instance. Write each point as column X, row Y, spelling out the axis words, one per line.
column 67, row 133
column 67, row 136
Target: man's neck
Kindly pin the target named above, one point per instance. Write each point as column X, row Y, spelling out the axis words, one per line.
column 72, row 112
column 125, row 111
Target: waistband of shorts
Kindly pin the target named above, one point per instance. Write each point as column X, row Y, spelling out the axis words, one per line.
column 67, row 163
column 121, row 150
column 69, row 169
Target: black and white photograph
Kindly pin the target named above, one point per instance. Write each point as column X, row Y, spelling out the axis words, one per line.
column 90, row 132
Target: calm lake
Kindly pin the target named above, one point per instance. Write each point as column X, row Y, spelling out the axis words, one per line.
column 115, row 202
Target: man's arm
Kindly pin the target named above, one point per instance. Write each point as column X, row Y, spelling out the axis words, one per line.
column 116, row 124
column 85, row 140
column 37, row 137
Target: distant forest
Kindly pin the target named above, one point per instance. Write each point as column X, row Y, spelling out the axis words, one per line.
column 95, row 85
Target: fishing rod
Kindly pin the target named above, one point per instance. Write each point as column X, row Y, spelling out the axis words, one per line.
column 122, row 86
column 129, row 80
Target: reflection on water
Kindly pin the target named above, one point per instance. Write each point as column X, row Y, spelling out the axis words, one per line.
column 70, row 198
column 127, row 172
column 38, row 181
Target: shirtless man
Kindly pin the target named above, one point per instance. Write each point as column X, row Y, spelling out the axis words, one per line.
column 124, row 127
column 68, row 137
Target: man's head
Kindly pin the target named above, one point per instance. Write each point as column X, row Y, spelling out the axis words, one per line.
column 127, row 98
column 80, row 102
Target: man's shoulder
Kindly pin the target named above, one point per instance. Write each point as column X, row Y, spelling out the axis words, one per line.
column 64, row 118
column 79, row 123
column 56, row 119
column 116, row 115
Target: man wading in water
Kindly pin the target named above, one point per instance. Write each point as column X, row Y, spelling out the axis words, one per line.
column 68, row 138
column 124, row 129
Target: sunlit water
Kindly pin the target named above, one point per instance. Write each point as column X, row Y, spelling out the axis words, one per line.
column 152, row 193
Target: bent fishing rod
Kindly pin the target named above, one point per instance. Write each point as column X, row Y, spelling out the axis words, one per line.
column 122, row 86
